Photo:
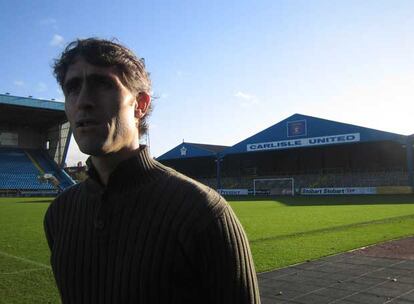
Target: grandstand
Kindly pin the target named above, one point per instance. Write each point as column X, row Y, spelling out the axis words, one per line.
column 34, row 138
column 196, row 160
column 312, row 153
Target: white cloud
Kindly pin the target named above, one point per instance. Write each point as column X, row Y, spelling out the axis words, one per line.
column 247, row 99
column 57, row 40
column 244, row 96
column 41, row 87
column 48, row 21
column 18, row 83
column 181, row 73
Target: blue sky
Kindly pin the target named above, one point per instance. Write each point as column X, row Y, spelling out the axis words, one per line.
column 225, row 70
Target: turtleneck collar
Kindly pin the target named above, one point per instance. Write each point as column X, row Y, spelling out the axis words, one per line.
column 130, row 173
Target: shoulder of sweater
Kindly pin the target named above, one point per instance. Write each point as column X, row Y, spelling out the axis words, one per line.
column 205, row 203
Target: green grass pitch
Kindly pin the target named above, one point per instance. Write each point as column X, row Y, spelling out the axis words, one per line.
column 281, row 232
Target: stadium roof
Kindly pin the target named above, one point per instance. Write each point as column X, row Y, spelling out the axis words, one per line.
column 188, row 150
column 296, row 131
column 31, row 112
column 212, row 148
column 304, row 131
column 31, row 102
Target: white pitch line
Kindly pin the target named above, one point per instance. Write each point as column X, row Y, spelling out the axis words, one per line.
column 24, row 260
column 401, row 295
column 22, row 271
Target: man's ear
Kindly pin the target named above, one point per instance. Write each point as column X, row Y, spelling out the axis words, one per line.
column 142, row 104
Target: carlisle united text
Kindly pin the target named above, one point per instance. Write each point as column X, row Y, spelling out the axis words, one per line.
column 304, row 142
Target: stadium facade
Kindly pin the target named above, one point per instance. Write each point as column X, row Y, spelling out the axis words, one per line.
column 34, row 140
column 303, row 154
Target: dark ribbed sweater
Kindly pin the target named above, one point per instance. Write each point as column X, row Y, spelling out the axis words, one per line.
column 151, row 235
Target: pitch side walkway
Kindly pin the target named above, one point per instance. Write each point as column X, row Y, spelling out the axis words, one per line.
column 378, row 274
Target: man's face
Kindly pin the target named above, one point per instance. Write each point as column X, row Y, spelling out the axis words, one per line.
column 101, row 110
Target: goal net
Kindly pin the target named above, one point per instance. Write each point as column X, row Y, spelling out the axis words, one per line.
column 274, row 186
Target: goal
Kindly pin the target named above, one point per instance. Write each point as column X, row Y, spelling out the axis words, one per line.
column 274, row 186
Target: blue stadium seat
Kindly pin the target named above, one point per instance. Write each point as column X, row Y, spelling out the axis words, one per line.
column 49, row 166
column 18, row 172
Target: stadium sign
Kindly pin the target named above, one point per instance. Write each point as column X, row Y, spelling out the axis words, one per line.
column 339, row 191
column 305, row 142
column 296, row 128
column 233, row 191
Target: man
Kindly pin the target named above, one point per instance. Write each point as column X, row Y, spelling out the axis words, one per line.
column 136, row 231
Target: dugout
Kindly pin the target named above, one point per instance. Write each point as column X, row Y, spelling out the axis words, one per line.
column 317, row 153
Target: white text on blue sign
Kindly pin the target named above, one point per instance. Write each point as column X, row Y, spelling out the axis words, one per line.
column 305, row 142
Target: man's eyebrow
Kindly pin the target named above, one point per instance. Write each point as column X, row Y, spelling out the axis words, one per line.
column 100, row 77
column 90, row 77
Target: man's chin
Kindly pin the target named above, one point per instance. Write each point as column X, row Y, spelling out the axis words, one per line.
column 92, row 151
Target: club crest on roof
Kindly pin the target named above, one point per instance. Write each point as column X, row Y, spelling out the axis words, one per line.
column 183, row 151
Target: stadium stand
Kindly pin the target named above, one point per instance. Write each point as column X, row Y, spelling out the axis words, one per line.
column 49, row 166
column 22, row 170
column 314, row 152
column 34, row 137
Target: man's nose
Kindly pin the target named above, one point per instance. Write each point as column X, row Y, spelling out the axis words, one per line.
column 85, row 97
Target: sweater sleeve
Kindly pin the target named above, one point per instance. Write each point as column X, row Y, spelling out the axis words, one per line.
column 227, row 270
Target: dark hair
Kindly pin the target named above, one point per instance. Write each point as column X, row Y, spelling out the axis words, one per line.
column 104, row 53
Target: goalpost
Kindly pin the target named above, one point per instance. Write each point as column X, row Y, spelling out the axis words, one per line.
column 274, row 186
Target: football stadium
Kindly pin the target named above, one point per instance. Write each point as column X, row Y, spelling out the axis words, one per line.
column 303, row 188
column 302, row 155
